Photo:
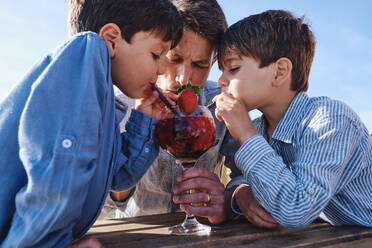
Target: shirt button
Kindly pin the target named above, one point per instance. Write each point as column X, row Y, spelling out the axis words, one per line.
column 147, row 150
column 66, row 143
column 311, row 191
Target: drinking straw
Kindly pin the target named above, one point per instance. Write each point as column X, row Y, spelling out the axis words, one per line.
column 162, row 97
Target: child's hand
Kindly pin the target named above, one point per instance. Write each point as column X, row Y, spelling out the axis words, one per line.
column 235, row 115
column 152, row 105
column 252, row 209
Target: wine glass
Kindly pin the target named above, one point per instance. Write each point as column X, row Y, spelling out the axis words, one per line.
column 187, row 137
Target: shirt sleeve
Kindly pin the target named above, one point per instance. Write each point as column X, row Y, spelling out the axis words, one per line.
column 296, row 197
column 59, row 133
column 138, row 151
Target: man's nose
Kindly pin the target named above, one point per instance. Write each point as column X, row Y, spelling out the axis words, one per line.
column 184, row 75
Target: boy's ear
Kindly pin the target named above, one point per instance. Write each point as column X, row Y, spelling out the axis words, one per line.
column 283, row 72
column 111, row 33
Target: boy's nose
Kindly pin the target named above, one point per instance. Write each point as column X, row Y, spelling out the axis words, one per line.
column 183, row 75
column 161, row 67
column 222, row 82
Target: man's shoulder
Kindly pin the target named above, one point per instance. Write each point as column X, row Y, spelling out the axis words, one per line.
column 211, row 89
column 211, row 86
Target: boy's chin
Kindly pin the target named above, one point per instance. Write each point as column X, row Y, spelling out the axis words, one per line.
column 134, row 95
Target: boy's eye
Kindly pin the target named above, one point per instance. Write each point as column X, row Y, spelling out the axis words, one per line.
column 234, row 69
column 155, row 56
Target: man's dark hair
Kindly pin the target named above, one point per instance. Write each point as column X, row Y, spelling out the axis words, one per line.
column 272, row 35
column 131, row 16
column 204, row 17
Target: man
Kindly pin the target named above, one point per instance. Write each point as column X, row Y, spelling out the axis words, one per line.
column 191, row 60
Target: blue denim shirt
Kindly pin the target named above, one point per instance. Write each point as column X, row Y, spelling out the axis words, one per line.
column 61, row 149
column 318, row 160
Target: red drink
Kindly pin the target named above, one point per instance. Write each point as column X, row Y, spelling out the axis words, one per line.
column 186, row 137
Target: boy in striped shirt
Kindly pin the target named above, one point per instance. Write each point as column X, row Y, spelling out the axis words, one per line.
column 306, row 156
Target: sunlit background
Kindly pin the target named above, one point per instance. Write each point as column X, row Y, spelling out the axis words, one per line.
column 342, row 67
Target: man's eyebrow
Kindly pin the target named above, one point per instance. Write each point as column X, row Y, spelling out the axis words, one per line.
column 202, row 61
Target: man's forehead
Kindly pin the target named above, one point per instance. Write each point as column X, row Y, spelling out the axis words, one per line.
column 202, row 58
column 193, row 45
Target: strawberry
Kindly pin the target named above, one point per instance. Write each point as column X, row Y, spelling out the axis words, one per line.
column 188, row 99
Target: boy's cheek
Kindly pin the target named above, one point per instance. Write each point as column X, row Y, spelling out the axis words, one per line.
column 147, row 92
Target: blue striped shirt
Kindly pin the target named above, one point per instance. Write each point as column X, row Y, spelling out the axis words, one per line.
column 318, row 160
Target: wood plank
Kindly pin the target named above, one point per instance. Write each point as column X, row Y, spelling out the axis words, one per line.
column 152, row 231
column 363, row 243
column 319, row 237
column 144, row 233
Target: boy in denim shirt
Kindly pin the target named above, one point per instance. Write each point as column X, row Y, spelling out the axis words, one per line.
column 61, row 149
column 306, row 156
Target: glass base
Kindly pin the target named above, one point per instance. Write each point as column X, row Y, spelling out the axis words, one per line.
column 190, row 226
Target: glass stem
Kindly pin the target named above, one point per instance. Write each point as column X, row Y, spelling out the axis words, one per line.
column 190, row 218
column 189, row 164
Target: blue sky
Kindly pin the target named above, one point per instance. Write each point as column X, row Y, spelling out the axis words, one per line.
column 342, row 67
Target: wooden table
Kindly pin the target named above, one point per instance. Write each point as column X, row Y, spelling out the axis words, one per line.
column 152, row 231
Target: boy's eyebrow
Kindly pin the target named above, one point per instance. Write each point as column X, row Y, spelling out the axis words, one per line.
column 225, row 62
column 231, row 58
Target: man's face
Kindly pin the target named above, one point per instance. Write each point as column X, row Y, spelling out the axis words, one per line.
column 138, row 63
column 191, row 60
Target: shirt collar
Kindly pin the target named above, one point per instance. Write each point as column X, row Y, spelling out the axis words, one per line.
column 289, row 123
column 120, row 110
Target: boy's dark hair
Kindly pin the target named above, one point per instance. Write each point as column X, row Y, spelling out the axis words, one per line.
column 272, row 35
column 204, row 17
column 131, row 16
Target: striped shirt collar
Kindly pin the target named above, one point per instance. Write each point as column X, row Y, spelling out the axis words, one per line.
column 289, row 123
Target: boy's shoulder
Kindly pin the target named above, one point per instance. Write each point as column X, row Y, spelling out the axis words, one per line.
column 329, row 106
column 325, row 108
column 84, row 41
